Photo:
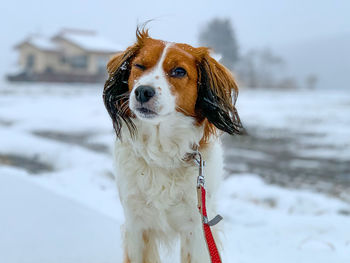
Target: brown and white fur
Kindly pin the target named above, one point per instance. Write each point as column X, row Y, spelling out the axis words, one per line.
column 165, row 99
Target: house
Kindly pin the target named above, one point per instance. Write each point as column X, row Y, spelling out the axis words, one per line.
column 69, row 56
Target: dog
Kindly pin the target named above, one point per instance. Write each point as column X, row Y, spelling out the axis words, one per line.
column 166, row 101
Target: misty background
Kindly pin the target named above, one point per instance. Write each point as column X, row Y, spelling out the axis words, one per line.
column 311, row 37
column 286, row 192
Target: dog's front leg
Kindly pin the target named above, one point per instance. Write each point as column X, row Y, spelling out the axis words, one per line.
column 133, row 245
column 193, row 247
column 140, row 246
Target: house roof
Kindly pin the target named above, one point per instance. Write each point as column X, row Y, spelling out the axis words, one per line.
column 40, row 43
column 89, row 41
column 86, row 40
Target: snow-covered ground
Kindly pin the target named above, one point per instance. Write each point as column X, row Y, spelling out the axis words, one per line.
column 58, row 201
column 296, row 139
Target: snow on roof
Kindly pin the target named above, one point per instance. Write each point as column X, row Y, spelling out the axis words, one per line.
column 41, row 43
column 86, row 40
column 91, row 42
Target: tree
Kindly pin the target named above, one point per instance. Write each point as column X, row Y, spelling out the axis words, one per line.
column 262, row 68
column 219, row 35
column 311, row 81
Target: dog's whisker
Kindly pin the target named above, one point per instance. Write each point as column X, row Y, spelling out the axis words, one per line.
column 124, row 105
column 122, row 110
column 184, row 111
column 126, row 94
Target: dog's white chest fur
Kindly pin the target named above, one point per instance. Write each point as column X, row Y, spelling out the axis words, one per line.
column 157, row 187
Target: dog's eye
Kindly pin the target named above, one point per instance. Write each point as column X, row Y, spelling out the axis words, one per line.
column 178, row 72
column 139, row 66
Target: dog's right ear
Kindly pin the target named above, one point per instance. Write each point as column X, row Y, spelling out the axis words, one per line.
column 116, row 89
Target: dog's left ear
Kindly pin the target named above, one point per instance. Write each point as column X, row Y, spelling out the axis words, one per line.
column 217, row 93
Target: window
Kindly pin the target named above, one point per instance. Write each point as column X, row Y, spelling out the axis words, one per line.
column 78, row 61
column 102, row 64
column 49, row 70
column 30, row 61
column 63, row 59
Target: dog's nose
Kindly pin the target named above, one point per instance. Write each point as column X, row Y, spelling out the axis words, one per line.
column 144, row 93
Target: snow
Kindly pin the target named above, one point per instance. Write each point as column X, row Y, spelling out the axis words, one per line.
column 72, row 213
column 40, row 42
column 40, row 226
column 324, row 113
column 92, row 42
column 43, row 43
column 269, row 224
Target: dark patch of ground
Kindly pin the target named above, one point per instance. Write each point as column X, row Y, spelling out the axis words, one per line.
column 5, row 123
column 30, row 164
column 273, row 155
column 80, row 139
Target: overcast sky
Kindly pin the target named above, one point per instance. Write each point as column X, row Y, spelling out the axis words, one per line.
column 257, row 22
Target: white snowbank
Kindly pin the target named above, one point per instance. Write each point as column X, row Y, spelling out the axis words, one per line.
column 37, row 225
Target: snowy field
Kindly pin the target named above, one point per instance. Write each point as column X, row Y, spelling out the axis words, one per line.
column 58, row 201
column 296, row 139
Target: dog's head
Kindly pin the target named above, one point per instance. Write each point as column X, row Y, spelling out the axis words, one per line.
column 153, row 79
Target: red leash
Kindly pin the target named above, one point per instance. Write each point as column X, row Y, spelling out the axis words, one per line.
column 212, row 248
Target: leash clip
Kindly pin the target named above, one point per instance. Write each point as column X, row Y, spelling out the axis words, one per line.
column 200, row 163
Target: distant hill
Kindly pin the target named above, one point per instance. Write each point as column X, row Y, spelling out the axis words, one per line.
column 328, row 58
